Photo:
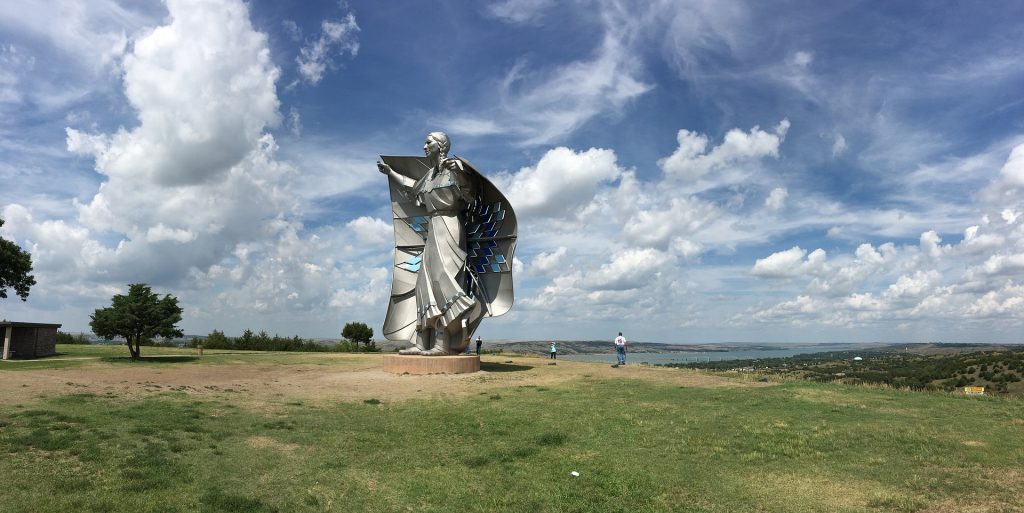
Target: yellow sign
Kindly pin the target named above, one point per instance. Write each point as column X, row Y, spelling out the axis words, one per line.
column 974, row 390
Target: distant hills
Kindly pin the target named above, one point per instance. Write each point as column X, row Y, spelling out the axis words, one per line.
column 568, row 347
column 572, row 347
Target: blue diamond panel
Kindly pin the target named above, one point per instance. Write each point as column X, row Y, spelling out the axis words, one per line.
column 493, row 264
column 419, row 224
column 411, row 264
column 483, row 221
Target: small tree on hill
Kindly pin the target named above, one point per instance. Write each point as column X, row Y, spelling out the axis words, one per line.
column 137, row 316
column 216, row 340
column 358, row 332
column 15, row 266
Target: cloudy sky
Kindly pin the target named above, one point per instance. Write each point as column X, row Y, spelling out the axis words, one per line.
column 683, row 171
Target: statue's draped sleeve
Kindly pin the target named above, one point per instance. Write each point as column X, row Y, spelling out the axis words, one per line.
column 491, row 232
column 410, row 222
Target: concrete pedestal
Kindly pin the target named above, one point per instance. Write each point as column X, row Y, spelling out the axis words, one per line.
column 401, row 364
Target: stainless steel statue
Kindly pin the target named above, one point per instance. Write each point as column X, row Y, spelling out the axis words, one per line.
column 454, row 238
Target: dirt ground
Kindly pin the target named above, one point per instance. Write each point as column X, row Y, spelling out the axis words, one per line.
column 338, row 378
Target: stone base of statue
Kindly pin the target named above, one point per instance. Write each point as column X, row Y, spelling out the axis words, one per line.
column 412, row 364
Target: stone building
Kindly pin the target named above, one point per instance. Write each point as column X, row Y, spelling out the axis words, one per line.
column 28, row 339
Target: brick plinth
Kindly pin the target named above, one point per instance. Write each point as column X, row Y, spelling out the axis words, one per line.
column 401, row 364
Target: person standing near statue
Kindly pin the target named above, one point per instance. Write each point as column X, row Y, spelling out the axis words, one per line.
column 479, row 342
column 620, row 348
column 554, row 351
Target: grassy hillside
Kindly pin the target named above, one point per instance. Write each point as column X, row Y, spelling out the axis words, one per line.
column 997, row 368
column 650, row 440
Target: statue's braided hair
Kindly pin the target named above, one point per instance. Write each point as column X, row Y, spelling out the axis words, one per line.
column 442, row 141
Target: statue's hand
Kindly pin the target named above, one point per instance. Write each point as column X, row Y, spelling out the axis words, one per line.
column 452, row 164
column 383, row 168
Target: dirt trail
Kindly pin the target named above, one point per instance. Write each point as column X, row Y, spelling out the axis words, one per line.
column 338, row 378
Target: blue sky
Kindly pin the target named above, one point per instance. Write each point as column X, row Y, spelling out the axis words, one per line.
column 683, row 171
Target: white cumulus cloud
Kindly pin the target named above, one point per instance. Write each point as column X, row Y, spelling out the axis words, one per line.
column 777, row 198
column 683, row 215
column 547, row 264
column 788, row 263
column 188, row 189
column 562, row 182
column 370, row 230
column 1013, row 170
column 691, row 160
column 200, row 111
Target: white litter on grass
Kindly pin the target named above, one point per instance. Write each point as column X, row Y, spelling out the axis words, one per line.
column 574, row 474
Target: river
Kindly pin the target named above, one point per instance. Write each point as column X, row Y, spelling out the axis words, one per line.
column 690, row 357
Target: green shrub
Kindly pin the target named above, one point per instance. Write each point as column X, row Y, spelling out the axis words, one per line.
column 67, row 338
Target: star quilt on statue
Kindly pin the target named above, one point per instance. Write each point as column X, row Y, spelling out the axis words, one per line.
column 490, row 227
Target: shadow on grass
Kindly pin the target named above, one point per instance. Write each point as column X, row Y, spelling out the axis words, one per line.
column 42, row 357
column 502, row 367
column 150, row 359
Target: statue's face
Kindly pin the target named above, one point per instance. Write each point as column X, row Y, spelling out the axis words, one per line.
column 431, row 147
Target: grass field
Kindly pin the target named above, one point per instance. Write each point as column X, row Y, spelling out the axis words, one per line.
column 75, row 356
column 175, row 436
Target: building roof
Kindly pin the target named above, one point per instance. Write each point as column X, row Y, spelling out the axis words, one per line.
column 4, row 324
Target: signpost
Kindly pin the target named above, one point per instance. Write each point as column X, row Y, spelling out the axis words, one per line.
column 974, row 390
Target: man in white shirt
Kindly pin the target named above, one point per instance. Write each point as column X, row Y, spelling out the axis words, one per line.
column 620, row 348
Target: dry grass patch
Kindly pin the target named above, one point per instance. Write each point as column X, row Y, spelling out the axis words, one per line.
column 972, row 507
column 265, row 442
column 260, row 382
column 819, row 492
column 542, row 374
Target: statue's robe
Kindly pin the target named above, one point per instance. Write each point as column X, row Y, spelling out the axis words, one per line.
column 454, row 237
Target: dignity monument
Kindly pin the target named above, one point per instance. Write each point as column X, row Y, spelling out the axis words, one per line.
column 454, row 238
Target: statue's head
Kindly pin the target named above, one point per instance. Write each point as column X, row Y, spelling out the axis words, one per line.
column 437, row 141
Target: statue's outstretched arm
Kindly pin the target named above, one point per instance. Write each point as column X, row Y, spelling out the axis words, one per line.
column 404, row 181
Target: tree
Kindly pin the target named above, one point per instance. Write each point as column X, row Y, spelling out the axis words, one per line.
column 138, row 316
column 15, row 266
column 358, row 332
column 215, row 340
